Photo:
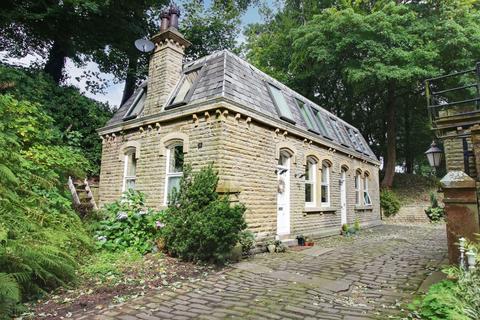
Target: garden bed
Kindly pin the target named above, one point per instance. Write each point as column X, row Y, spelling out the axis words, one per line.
column 115, row 278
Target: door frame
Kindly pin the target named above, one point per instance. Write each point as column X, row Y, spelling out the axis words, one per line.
column 343, row 197
column 284, row 229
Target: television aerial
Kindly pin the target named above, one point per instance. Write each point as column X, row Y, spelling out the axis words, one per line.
column 144, row 45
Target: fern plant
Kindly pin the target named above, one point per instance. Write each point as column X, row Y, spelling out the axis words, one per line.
column 9, row 295
column 41, row 238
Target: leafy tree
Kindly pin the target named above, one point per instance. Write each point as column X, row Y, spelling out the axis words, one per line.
column 359, row 58
column 57, row 30
column 104, row 32
column 213, row 28
column 75, row 116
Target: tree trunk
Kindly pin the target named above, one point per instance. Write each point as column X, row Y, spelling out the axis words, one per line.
column 130, row 80
column 56, row 62
column 387, row 181
column 408, row 144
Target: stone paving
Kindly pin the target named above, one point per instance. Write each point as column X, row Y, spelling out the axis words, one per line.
column 366, row 277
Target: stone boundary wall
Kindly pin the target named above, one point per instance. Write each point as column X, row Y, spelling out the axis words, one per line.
column 411, row 213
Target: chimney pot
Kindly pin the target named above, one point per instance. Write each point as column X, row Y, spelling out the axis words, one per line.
column 174, row 15
column 165, row 17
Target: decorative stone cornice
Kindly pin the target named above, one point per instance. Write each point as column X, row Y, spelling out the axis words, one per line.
column 171, row 35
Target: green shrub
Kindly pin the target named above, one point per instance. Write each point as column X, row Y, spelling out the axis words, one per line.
column 389, row 203
column 247, row 241
column 9, row 295
column 75, row 116
column 128, row 224
column 440, row 303
column 458, row 297
column 356, row 225
column 200, row 224
column 41, row 237
column 434, row 212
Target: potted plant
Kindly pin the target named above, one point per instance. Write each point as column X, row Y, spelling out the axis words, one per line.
column 271, row 246
column 345, row 229
column 356, row 225
column 434, row 212
column 279, row 246
column 301, row 240
column 309, row 242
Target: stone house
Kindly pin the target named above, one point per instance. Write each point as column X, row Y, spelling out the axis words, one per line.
column 298, row 168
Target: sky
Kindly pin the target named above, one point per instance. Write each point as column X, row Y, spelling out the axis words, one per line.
column 113, row 94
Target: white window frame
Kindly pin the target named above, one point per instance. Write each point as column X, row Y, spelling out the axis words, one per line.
column 365, row 191
column 129, row 153
column 326, row 183
column 312, row 167
column 167, row 169
column 129, row 114
column 358, row 182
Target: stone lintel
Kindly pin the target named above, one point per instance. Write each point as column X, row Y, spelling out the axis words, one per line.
column 457, row 180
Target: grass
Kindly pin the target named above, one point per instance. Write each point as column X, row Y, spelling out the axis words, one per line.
column 412, row 188
column 105, row 265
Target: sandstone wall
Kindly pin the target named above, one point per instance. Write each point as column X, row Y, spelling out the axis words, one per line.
column 151, row 163
column 245, row 152
column 249, row 160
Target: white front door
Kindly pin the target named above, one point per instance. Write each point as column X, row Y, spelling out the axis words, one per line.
column 283, row 194
column 343, row 197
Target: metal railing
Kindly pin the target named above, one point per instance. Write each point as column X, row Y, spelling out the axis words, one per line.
column 441, row 105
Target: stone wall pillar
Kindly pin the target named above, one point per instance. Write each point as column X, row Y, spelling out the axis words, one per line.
column 453, row 152
column 461, row 207
column 475, row 131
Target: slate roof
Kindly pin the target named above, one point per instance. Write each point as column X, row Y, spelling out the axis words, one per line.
column 226, row 75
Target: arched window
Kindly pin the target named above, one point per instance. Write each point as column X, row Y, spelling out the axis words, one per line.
column 366, row 196
column 325, row 184
column 130, row 170
column 310, row 182
column 174, row 168
column 357, row 187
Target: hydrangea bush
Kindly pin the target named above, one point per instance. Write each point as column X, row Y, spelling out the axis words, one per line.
column 129, row 224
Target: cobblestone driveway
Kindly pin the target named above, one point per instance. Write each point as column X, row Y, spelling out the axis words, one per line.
column 340, row 278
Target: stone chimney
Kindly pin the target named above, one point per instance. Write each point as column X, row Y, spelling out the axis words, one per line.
column 166, row 61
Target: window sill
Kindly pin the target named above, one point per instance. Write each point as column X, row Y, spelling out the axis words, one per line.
column 364, row 208
column 321, row 210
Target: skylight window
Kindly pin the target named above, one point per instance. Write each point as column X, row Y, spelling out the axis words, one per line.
column 184, row 90
column 356, row 140
column 137, row 106
column 321, row 125
column 353, row 139
column 281, row 104
column 307, row 115
column 362, row 143
column 338, row 132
